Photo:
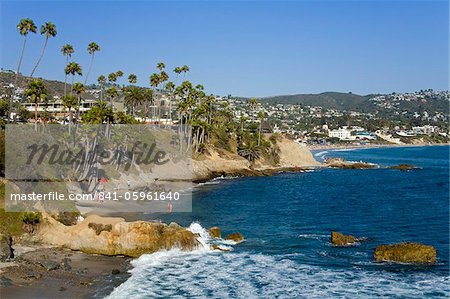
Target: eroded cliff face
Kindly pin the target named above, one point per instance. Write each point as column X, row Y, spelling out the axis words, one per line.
column 219, row 162
column 115, row 236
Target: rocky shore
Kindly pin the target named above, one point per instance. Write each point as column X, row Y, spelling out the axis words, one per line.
column 54, row 272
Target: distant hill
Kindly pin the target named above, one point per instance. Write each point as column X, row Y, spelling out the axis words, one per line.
column 359, row 103
column 53, row 87
column 328, row 100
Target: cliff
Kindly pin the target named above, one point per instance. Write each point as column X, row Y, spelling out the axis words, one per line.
column 223, row 163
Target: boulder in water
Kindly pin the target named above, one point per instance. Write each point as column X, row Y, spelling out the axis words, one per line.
column 403, row 167
column 215, row 232
column 339, row 239
column 406, row 253
column 236, row 237
column 217, row 247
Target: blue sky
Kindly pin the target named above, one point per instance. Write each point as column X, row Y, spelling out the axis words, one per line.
column 246, row 48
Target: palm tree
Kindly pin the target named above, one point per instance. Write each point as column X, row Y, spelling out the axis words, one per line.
column 147, row 98
column 261, row 118
column 119, row 74
column 49, row 30
column 132, row 78
column 92, row 48
column 70, row 102
column 99, row 114
column 101, row 81
column 112, row 93
column 253, row 103
column 78, row 89
column 184, row 69
column 112, row 77
column 25, row 26
column 132, row 96
column 67, row 51
column 73, row 69
column 170, row 88
column 160, row 66
column 154, row 82
column 36, row 92
column 177, row 71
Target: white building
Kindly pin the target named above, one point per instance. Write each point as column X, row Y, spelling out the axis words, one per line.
column 342, row 134
column 427, row 130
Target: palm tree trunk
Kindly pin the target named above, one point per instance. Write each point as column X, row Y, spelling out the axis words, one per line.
column 170, row 110
column 35, row 115
column 70, row 119
column 71, row 86
column 65, row 77
column 40, row 57
column 20, row 60
column 90, row 67
column 259, row 133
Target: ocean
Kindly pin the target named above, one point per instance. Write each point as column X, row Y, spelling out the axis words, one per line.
column 287, row 220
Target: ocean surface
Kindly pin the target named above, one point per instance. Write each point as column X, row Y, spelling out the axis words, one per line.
column 287, row 219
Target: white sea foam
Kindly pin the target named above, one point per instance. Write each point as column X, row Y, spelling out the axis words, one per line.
column 313, row 236
column 207, row 273
column 319, row 154
column 177, row 274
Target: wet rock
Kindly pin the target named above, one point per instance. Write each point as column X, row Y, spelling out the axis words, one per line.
column 341, row 163
column 65, row 264
column 32, row 274
column 5, row 282
column 215, row 232
column 403, row 167
column 236, row 237
column 217, row 247
column 50, row 265
column 406, row 253
column 115, row 271
column 339, row 239
column 6, row 249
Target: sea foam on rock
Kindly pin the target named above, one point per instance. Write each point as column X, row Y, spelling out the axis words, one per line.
column 406, row 253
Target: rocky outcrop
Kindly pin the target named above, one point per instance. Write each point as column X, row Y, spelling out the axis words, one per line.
column 6, row 250
column 403, row 167
column 218, row 247
column 236, row 237
column 339, row 239
column 218, row 162
column 406, row 253
column 341, row 163
column 215, row 232
column 115, row 236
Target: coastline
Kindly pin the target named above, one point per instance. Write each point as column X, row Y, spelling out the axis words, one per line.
column 91, row 275
column 368, row 146
column 52, row 272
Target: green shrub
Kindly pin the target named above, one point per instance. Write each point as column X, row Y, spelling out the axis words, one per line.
column 31, row 218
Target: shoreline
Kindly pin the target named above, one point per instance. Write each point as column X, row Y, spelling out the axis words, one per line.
column 53, row 272
column 314, row 148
